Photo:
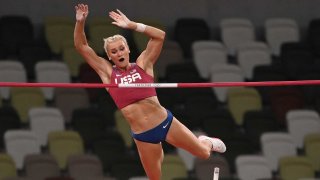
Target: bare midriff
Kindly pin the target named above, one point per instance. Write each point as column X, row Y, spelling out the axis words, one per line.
column 144, row 114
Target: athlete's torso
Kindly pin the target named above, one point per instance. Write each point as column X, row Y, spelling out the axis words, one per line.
column 127, row 96
column 140, row 106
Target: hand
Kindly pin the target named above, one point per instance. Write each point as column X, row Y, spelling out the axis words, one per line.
column 81, row 12
column 120, row 19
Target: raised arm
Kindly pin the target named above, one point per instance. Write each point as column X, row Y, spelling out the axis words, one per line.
column 150, row 55
column 99, row 64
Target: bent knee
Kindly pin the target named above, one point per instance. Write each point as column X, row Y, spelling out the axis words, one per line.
column 204, row 154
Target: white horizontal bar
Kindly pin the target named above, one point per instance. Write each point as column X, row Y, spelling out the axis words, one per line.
column 149, row 85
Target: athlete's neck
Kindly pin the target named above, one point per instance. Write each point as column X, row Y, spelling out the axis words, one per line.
column 127, row 67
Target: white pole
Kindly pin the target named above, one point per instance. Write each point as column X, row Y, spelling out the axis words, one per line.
column 216, row 173
column 149, row 85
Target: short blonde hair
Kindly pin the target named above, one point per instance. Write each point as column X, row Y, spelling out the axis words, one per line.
column 111, row 39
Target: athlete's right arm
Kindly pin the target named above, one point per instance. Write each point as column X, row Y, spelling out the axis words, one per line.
column 99, row 64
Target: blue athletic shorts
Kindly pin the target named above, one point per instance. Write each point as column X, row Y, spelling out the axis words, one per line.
column 157, row 134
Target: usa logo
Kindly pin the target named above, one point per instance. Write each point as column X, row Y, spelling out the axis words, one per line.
column 131, row 78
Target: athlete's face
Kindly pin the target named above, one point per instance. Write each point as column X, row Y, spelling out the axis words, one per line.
column 118, row 52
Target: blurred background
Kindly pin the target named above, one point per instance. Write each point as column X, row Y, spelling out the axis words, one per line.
column 78, row 134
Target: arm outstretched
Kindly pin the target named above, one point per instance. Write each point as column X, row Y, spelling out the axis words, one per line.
column 99, row 64
column 150, row 55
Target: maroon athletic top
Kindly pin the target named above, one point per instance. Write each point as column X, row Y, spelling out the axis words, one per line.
column 125, row 96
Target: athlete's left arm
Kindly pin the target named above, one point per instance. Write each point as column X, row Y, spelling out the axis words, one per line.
column 150, row 55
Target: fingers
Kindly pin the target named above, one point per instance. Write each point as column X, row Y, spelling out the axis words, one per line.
column 117, row 15
column 114, row 15
column 115, row 23
column 82, row 7
column 120, row 12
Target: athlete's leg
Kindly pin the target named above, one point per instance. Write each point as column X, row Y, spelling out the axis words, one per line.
column 181, row 137
column 151, row 156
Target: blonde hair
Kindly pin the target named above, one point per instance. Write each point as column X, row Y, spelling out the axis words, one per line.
column 111, row 39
